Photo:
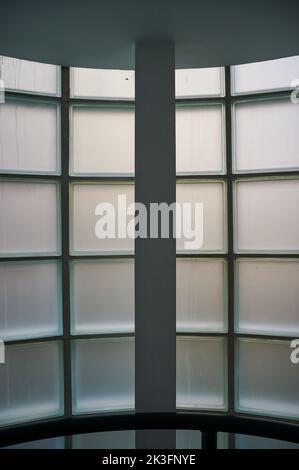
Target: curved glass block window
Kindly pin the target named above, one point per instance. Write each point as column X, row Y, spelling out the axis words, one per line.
column 266, row 382
column 201, row 373
column 29, row 137
column 201, row 295
column 30, row 299
column 102, row 140
column 103, row 374
column 266, row 212
column 267, row 296
column 270, row 75
column 102, row 296
column 85, row 199
column 209, row 226
column 200, row 142
column 29, row 218
column 195, row 83
column 265, row 135
column 31, row 382
column 105, row 440
column 30, row 77
column 103, row 84
column 244, row 441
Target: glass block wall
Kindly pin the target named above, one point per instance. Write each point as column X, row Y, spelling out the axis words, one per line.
column 67, row 298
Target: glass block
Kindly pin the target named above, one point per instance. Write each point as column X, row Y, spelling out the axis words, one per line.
column 31, row 77
column 267, row 382
column 85, row 199
column 193, row 83
column 31, row 382
column 265, row 135
column 30, row 300
column 267, row 296
column 29, row 137
column 105, row 440
column 103, row 84
column 269, row 75
column 201, row 373
column 29, row 218
column 51, row 443
column 267, row 215
column 191, row 439
column 200, row 143
column 102, row 140
column 102, row 296
column 211, row 228
column 201, row 297
column 103, row 375
column 244, row 441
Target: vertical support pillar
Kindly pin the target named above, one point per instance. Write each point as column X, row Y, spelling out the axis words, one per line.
column 155, row 259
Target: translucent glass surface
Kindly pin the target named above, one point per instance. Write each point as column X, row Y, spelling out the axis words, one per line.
column 103, row 374
column 263, row 76
column 29, row 137
column 243, row 441
column 103, row 296
column 27, row 76
column 30, row 299
column 199, row 139
column 265, row 135
column 191, row 439
column 101, row 83
column 212, row 196
column 201, row 373
column 85, row 199
column 267, row 381
column 29, row 218
column 267, row 296
column 201, row 294
column 102, row 140
column 31, row 382
column 192, row 83
column 267, row 215
column 105, row 440
column 51, row 443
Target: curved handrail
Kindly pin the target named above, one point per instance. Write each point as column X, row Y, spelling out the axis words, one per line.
column 206, row 422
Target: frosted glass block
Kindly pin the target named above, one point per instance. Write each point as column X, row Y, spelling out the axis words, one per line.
column 267, row 381
column 201, row 297
column 51, row 443
column 267, row 296
column 267, row 215
column 200, row 139
column 29, row 218
column 29, row 137
column 32, row 77
column 105, row 440
column 31, row 382
column 103, row 375
column 85, row 199
column 103, row 84
column 257, row 77
column 212, row 196
column 243, row 441
column 193, row 83
column 30, row 300
column 190, row 439
column 102, row 140
column 265, row 135
column 102, row 296
column 201, row 373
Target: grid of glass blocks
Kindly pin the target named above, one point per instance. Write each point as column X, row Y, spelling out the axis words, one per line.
column 31, row 379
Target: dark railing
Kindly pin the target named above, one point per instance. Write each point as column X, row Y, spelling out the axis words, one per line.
column 208, row 423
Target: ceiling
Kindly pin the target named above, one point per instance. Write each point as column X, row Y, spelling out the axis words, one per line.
column 102, row 33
